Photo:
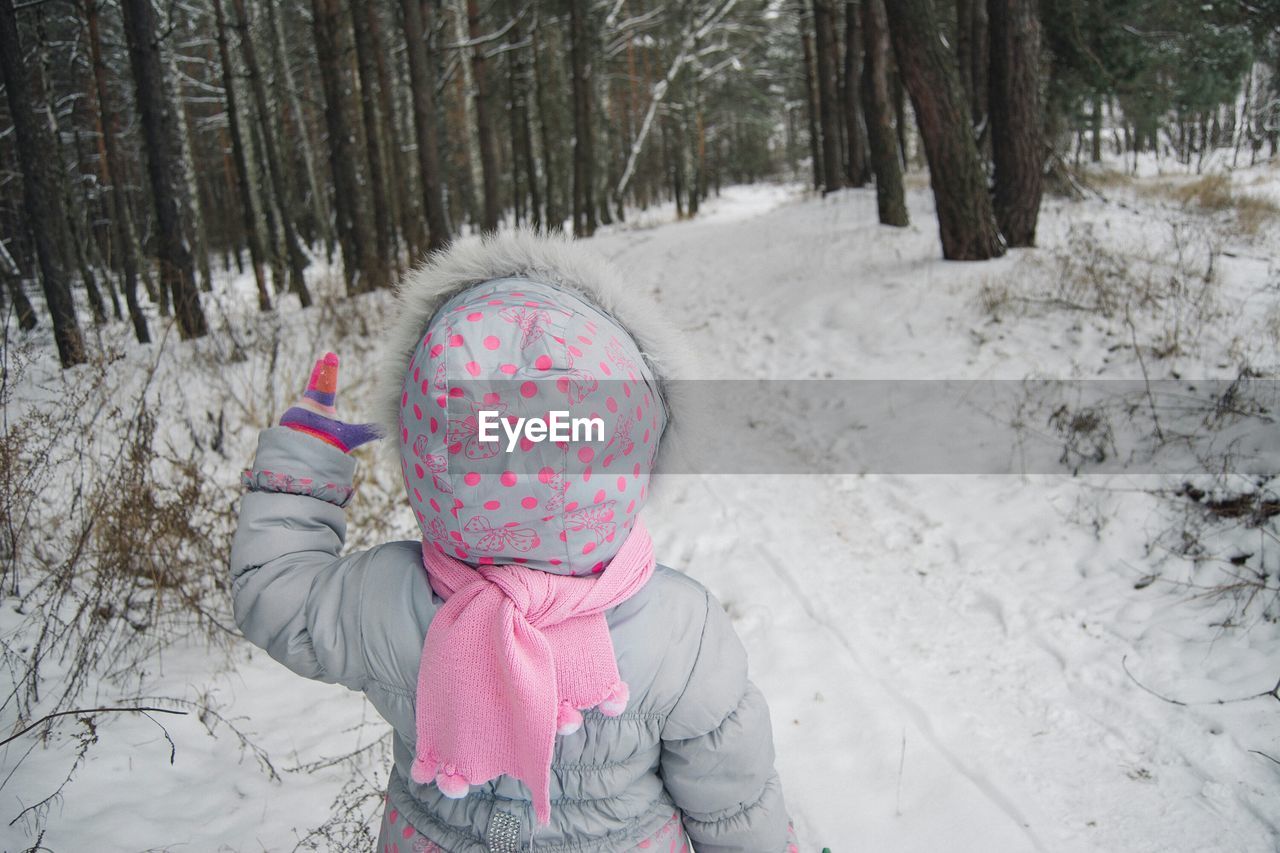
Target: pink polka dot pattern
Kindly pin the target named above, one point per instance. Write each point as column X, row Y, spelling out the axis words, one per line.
column 515, row 349
column 670, row 838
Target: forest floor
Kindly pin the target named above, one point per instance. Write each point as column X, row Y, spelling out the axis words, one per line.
column 954, row 662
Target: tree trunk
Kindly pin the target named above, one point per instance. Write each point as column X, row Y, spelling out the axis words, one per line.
column 965, row 220
column 317, row 191
column 113, row 172
column 69, row 234
column 518, row 191
column 257, row 134
column 484, row 120
column 964, row 46
column 1095, row 152
column 522, row 135
column 423, row 85
column 555, row 216
column 855, row 127
column 12, row 278
column 979, row 51
column 828, row 100
column 469, row 180
column 890, row 201
column 366, row 64
column 160, row 133
column 281, row 183
column 584, row 205
column 397, row 183
column 256, row 255
column 188, row 186
column 900, row 115
column 21, row 305
column 362, row 270
column 699, row 155
column 80, row 243
column 675, row 157
column 97, row 215
column 1016, row 121
column 40, row 196
column 811, row 91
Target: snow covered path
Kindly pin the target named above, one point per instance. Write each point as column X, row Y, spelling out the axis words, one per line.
column 942, row 654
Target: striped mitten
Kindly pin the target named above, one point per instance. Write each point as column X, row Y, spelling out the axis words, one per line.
column 315, row 414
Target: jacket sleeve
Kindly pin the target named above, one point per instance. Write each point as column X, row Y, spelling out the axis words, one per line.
column 293, row 595
column 717, row 751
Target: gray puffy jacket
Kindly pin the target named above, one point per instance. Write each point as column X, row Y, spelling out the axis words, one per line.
column 695, row 735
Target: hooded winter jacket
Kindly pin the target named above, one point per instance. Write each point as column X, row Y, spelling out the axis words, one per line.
column 695, row 736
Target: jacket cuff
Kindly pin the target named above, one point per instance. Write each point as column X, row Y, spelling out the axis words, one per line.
column 292, row 462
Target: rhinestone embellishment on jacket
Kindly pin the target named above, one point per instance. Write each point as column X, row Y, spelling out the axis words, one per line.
column 504, row 833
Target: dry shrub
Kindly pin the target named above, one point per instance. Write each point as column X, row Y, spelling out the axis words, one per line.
column 1253, row 212
column 109, row 549
column 1210, row 192
column 1225, row 526
column 996, row 299
column 1092, row 277
column 1107, row 178
column 1214, row 194
column 355, row 810
column 119, row 487
column 1170, row 289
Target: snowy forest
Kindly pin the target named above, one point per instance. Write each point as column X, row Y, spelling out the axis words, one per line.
column 1063, row 636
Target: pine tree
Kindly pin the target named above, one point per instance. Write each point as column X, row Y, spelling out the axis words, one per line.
column 40, row 198
column 584, row 205
column 1016, row 142
column 163, row 143
column 890, row 201
column 280, row 173
column 256, row 254
column 484, row 119
column 966, row 222
column 422, row 85
column 113, row 171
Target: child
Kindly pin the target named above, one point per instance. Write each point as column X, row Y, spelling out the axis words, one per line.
column 550, row 687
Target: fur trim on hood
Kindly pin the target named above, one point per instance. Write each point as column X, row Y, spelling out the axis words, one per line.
column 554, row 259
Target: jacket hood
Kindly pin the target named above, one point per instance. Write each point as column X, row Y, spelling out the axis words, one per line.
column 493, row 335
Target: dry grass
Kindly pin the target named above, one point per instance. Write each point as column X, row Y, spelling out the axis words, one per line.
column 996, row 299
column 1211, row 192
column 1252, row 213
column 1215, row 194
column 1167, row 291
column 1107, row 178
column 108, row 540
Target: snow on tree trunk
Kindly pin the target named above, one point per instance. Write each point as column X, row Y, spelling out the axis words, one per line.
column 281, row 182
column 163, row 144
column 966, row 223
column 40, row 198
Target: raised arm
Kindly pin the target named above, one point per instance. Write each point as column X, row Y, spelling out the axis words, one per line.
column 293, row 594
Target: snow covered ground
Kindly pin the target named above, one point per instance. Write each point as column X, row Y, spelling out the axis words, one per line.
column 961, row 663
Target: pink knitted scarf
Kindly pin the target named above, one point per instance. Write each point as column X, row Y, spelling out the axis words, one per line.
column 510, row 659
